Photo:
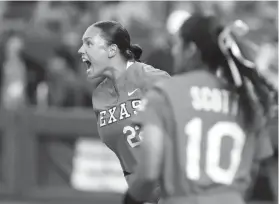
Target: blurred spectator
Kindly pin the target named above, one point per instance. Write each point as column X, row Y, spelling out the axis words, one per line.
column 267, row 62
column 13, row 74
column 161, row 57
column 62, row 84
column 19, row 74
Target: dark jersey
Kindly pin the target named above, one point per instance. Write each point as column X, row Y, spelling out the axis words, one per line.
column 207, row 149
column 115, row 109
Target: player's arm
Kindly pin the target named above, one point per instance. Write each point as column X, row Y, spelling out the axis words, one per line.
column 268, row 160
column 263, row 153
column 264, row 149
column 145, row 181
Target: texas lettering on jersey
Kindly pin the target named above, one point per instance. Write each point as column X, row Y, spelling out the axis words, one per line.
column 115, row 111
column 119, row 112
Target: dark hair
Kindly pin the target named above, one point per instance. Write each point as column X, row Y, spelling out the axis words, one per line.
column 205, row 32
column 115, row 33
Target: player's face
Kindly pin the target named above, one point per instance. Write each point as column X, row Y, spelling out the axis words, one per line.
column 94, row 52
column 182, row 54
column 177, row 53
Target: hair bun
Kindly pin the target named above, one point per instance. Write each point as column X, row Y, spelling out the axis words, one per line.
column 136, row 50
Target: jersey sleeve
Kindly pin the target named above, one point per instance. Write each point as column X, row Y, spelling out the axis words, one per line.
column 264, row 148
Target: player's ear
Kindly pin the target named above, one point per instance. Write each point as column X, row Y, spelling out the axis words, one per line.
column 112, row 50
column 190, row 51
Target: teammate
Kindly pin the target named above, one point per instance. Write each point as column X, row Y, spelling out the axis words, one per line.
column 120, row 82
column 203, row 129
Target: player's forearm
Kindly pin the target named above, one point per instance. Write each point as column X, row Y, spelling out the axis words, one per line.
column 145, row 190
column 271, row 170
column 152, row 193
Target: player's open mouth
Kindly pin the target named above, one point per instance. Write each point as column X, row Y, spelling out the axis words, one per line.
column 87, row 62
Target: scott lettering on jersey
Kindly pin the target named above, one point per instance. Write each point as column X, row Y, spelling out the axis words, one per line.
column 120, row 112
column 215, row 100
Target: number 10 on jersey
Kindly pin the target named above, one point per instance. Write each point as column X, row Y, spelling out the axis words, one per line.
column 212, row 151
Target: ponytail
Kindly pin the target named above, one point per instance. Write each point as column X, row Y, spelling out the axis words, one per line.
column 219, row 47
column 137, row 51
column 253, row 89
column 133, row 53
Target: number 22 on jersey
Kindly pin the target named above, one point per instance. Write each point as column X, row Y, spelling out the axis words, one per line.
column 212, row 151
column 133, row 136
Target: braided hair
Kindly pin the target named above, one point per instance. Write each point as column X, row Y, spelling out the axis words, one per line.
column 220, row 47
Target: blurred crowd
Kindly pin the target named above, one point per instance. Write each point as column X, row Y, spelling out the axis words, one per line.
column 39, row 64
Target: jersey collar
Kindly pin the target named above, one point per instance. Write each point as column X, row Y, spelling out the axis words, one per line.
column 129, row 63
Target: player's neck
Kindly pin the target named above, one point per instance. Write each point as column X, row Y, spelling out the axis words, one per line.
column 195, row 63
column 118, row 68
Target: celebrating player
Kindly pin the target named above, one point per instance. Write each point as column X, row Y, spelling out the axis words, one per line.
column 121, row 80
column 204, row 128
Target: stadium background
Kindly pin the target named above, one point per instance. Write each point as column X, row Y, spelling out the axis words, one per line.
column 49, row 147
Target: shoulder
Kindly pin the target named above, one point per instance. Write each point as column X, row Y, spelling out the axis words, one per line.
column 143, row 69
column 151, row 71
column 144, row 76
column 183, row 83
column 193, row 78
column 173, row 82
